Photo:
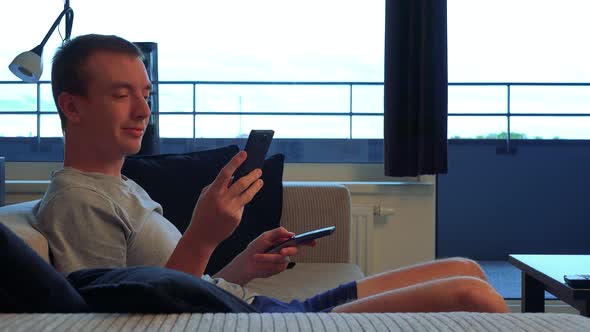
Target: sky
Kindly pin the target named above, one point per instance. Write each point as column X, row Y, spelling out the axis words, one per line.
column 320, row 40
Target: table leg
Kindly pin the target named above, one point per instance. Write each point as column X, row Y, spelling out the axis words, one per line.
column 533, row 294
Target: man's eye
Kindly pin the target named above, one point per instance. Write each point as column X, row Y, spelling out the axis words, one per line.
column 120, row 96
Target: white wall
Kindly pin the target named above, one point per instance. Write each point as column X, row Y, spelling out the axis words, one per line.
column 407, row 237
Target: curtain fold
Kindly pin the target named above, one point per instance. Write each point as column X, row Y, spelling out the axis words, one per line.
column 415, row 87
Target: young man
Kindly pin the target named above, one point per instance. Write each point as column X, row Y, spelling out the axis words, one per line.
column 93, row 216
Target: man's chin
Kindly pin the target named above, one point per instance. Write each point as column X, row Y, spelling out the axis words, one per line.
column 132, row 150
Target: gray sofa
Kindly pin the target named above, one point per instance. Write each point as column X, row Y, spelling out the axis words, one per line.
column 305, row 206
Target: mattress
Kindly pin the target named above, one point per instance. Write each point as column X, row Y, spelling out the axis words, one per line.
column 456, row 321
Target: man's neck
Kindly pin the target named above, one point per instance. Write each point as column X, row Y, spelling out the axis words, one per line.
column 87, row 160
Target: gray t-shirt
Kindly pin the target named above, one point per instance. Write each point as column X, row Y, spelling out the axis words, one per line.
column 96, row 220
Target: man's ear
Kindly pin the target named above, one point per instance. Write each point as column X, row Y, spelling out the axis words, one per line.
column 69, row 106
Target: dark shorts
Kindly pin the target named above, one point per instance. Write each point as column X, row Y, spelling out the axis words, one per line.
column 323, row 302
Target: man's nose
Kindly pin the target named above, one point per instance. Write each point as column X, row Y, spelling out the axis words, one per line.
column 141, row 108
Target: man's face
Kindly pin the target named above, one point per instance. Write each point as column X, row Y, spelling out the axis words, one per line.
column 114, row 113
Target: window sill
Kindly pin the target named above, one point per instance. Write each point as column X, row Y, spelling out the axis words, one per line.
column 26, row 186
column 372, row 187
column 357, row 187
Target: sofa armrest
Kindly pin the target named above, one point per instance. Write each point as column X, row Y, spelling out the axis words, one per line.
column 20, row 219
column 311, row 205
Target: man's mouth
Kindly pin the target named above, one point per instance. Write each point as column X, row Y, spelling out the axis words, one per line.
column 134, row 131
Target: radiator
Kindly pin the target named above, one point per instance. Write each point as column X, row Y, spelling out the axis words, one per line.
column 362, row 230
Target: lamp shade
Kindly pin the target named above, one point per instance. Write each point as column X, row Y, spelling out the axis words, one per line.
column 28, row 66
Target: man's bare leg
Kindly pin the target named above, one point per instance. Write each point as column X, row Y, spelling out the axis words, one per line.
column 418, row 274
column 442, row 295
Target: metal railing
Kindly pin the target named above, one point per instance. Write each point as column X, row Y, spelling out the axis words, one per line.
column 350, row 113
column 508, row 114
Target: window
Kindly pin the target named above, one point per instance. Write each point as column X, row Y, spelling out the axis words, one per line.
column 518, row 42
column 495, row 47
column 307, row 42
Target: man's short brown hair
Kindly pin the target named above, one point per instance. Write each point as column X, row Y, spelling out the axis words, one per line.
column 67, row 74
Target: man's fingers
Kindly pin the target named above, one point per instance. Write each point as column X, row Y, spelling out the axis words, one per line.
column 289, row 251
column 270, row 259
column 310, row 243
column 245, row 182
column 278, row 235
column 224, row 177
column 247, row 196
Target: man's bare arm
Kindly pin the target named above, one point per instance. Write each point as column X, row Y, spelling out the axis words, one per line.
column 216, row 215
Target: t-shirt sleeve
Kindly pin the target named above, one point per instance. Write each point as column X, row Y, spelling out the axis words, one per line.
column 84, row 230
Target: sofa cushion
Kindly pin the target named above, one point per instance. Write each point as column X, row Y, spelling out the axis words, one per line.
column 152, row 290
column 29, row 284
column 296, row 284
column 20, row 218
column 176, row 180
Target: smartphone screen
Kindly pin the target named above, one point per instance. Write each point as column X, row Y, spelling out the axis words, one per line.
column 256, row 148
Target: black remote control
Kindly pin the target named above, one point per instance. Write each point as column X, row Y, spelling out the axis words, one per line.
column 577, row 280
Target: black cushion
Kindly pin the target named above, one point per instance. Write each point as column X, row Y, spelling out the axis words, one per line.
column 261, row 214
column 176, row 180
column 29, row 284
column 143, row 289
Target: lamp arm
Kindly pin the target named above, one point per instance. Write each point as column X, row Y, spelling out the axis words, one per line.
column 70, row 17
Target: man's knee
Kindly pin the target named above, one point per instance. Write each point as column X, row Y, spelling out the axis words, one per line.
column 468, row 267
column 477, row 295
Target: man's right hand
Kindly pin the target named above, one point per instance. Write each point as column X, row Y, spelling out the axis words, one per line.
column 220, row 207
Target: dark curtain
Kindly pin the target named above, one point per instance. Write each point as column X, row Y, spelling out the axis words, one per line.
column 415, row 91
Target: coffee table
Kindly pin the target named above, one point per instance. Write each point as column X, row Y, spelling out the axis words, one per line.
column 542, row 273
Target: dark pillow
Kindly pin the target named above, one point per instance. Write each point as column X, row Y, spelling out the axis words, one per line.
column 176, row 180
column 144, row 289
column 263, row 213
column 29, row 284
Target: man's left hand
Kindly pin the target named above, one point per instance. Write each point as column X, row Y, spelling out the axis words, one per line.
column 254, row 263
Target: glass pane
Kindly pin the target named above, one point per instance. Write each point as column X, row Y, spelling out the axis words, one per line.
column 550, row 99
column 367, row 98
column 278, row 98
column 173, row 125
column 47, row 102
column 523, row 47
column 18, row 98
column 259, row 40
column 550, row 127
column 50, row 125
column 18, row 125
column 477, row 127
column 175, row 97
column 367, row 127
column 285, row 126
column 478, row 99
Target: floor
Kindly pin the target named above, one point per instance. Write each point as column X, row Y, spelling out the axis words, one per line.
column 506, row 279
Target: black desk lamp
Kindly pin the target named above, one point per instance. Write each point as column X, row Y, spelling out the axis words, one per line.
column 28, row 66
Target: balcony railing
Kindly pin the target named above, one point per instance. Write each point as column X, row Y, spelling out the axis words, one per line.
column 490, row 100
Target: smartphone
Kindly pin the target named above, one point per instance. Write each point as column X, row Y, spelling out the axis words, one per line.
column 256, row 148
column 302, row 238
